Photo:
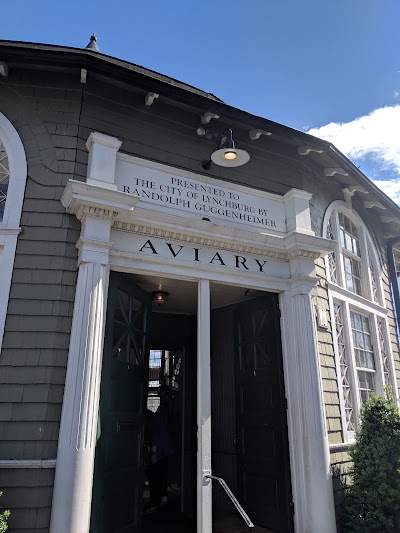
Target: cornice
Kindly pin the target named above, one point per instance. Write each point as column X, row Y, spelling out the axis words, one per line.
column 95, row 212
column 82, row 199
column 306, row 254
column 210, row 242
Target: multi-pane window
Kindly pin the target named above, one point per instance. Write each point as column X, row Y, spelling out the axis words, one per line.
column 364, row 355
column 359, row 319
column 351, row 263
column 4, row 179
column 351, row 254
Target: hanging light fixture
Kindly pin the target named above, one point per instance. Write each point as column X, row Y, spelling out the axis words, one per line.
column 160, row 297
column 228, row 155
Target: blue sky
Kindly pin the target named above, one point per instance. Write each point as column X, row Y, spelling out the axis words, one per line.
column 329, row 67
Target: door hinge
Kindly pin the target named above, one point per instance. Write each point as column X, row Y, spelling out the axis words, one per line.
column 291, row 508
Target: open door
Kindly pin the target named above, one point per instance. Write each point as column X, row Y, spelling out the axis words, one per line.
column 118, row 476
column 262, row 445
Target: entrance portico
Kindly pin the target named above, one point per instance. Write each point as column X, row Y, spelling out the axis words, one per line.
column 129, row 233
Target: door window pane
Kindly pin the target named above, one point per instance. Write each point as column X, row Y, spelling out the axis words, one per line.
column 129, row 329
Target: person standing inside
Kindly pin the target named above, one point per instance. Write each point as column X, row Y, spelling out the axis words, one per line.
column 160, row 451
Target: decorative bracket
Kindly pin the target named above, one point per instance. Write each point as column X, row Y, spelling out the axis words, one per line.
column 351, row 190
column 305, row 150
column 336, row 170
column 373, row 203
column 149, row 98
column 256, row 134
column 388, row 220
column 3, row 69
column 348, row 192
column 206, row 117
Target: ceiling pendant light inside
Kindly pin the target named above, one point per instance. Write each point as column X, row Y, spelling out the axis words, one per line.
column 160, row 297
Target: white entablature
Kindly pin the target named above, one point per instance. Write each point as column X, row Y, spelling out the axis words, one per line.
column 134, row 233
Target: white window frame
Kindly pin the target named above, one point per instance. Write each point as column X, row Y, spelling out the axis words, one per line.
column 9, row 226
column 364, row 304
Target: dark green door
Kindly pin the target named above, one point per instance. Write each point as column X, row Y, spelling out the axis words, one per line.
column 263, row 457
column 118, row 477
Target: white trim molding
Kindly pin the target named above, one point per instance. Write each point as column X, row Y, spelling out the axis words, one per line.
column 365, row 297
column 111, row 223
column 9, row 226
column 27, row 463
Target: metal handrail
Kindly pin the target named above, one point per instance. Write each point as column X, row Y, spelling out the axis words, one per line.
column 234, row 500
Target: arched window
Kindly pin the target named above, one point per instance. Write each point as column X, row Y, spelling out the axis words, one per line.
column 364, row 360
column 12, row 188
column 353, row 264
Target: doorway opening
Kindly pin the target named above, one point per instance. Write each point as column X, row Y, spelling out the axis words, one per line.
column 150, row 349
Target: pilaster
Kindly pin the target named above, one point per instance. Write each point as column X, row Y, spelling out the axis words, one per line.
column 311, row 477
column 77, row 441
column 96, row 204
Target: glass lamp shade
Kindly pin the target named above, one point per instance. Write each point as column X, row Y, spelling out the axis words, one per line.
column 160, row 297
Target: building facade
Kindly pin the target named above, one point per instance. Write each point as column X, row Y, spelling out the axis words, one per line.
column 279, row 321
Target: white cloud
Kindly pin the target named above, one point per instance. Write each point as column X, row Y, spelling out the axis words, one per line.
column 373, row 138
column 391, row 188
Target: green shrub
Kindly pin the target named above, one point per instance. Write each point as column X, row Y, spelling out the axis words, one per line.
column 3, row 519
column 372, row 501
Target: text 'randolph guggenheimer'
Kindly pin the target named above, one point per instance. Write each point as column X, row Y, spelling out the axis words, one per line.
column 206, row 200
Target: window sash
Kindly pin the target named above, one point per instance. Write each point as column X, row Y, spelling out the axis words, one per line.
column 352, row 274
column 365, row 358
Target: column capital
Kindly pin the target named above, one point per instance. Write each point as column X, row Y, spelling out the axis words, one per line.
column 93, row 251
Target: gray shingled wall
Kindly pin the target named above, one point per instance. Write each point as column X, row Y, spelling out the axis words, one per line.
column 35, row 346
column 322, row 197
column 54, row 115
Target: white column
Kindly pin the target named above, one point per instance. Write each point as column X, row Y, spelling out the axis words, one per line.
column 77, row 440
column 204, row 488
column 308, row 441
column 72, row 496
